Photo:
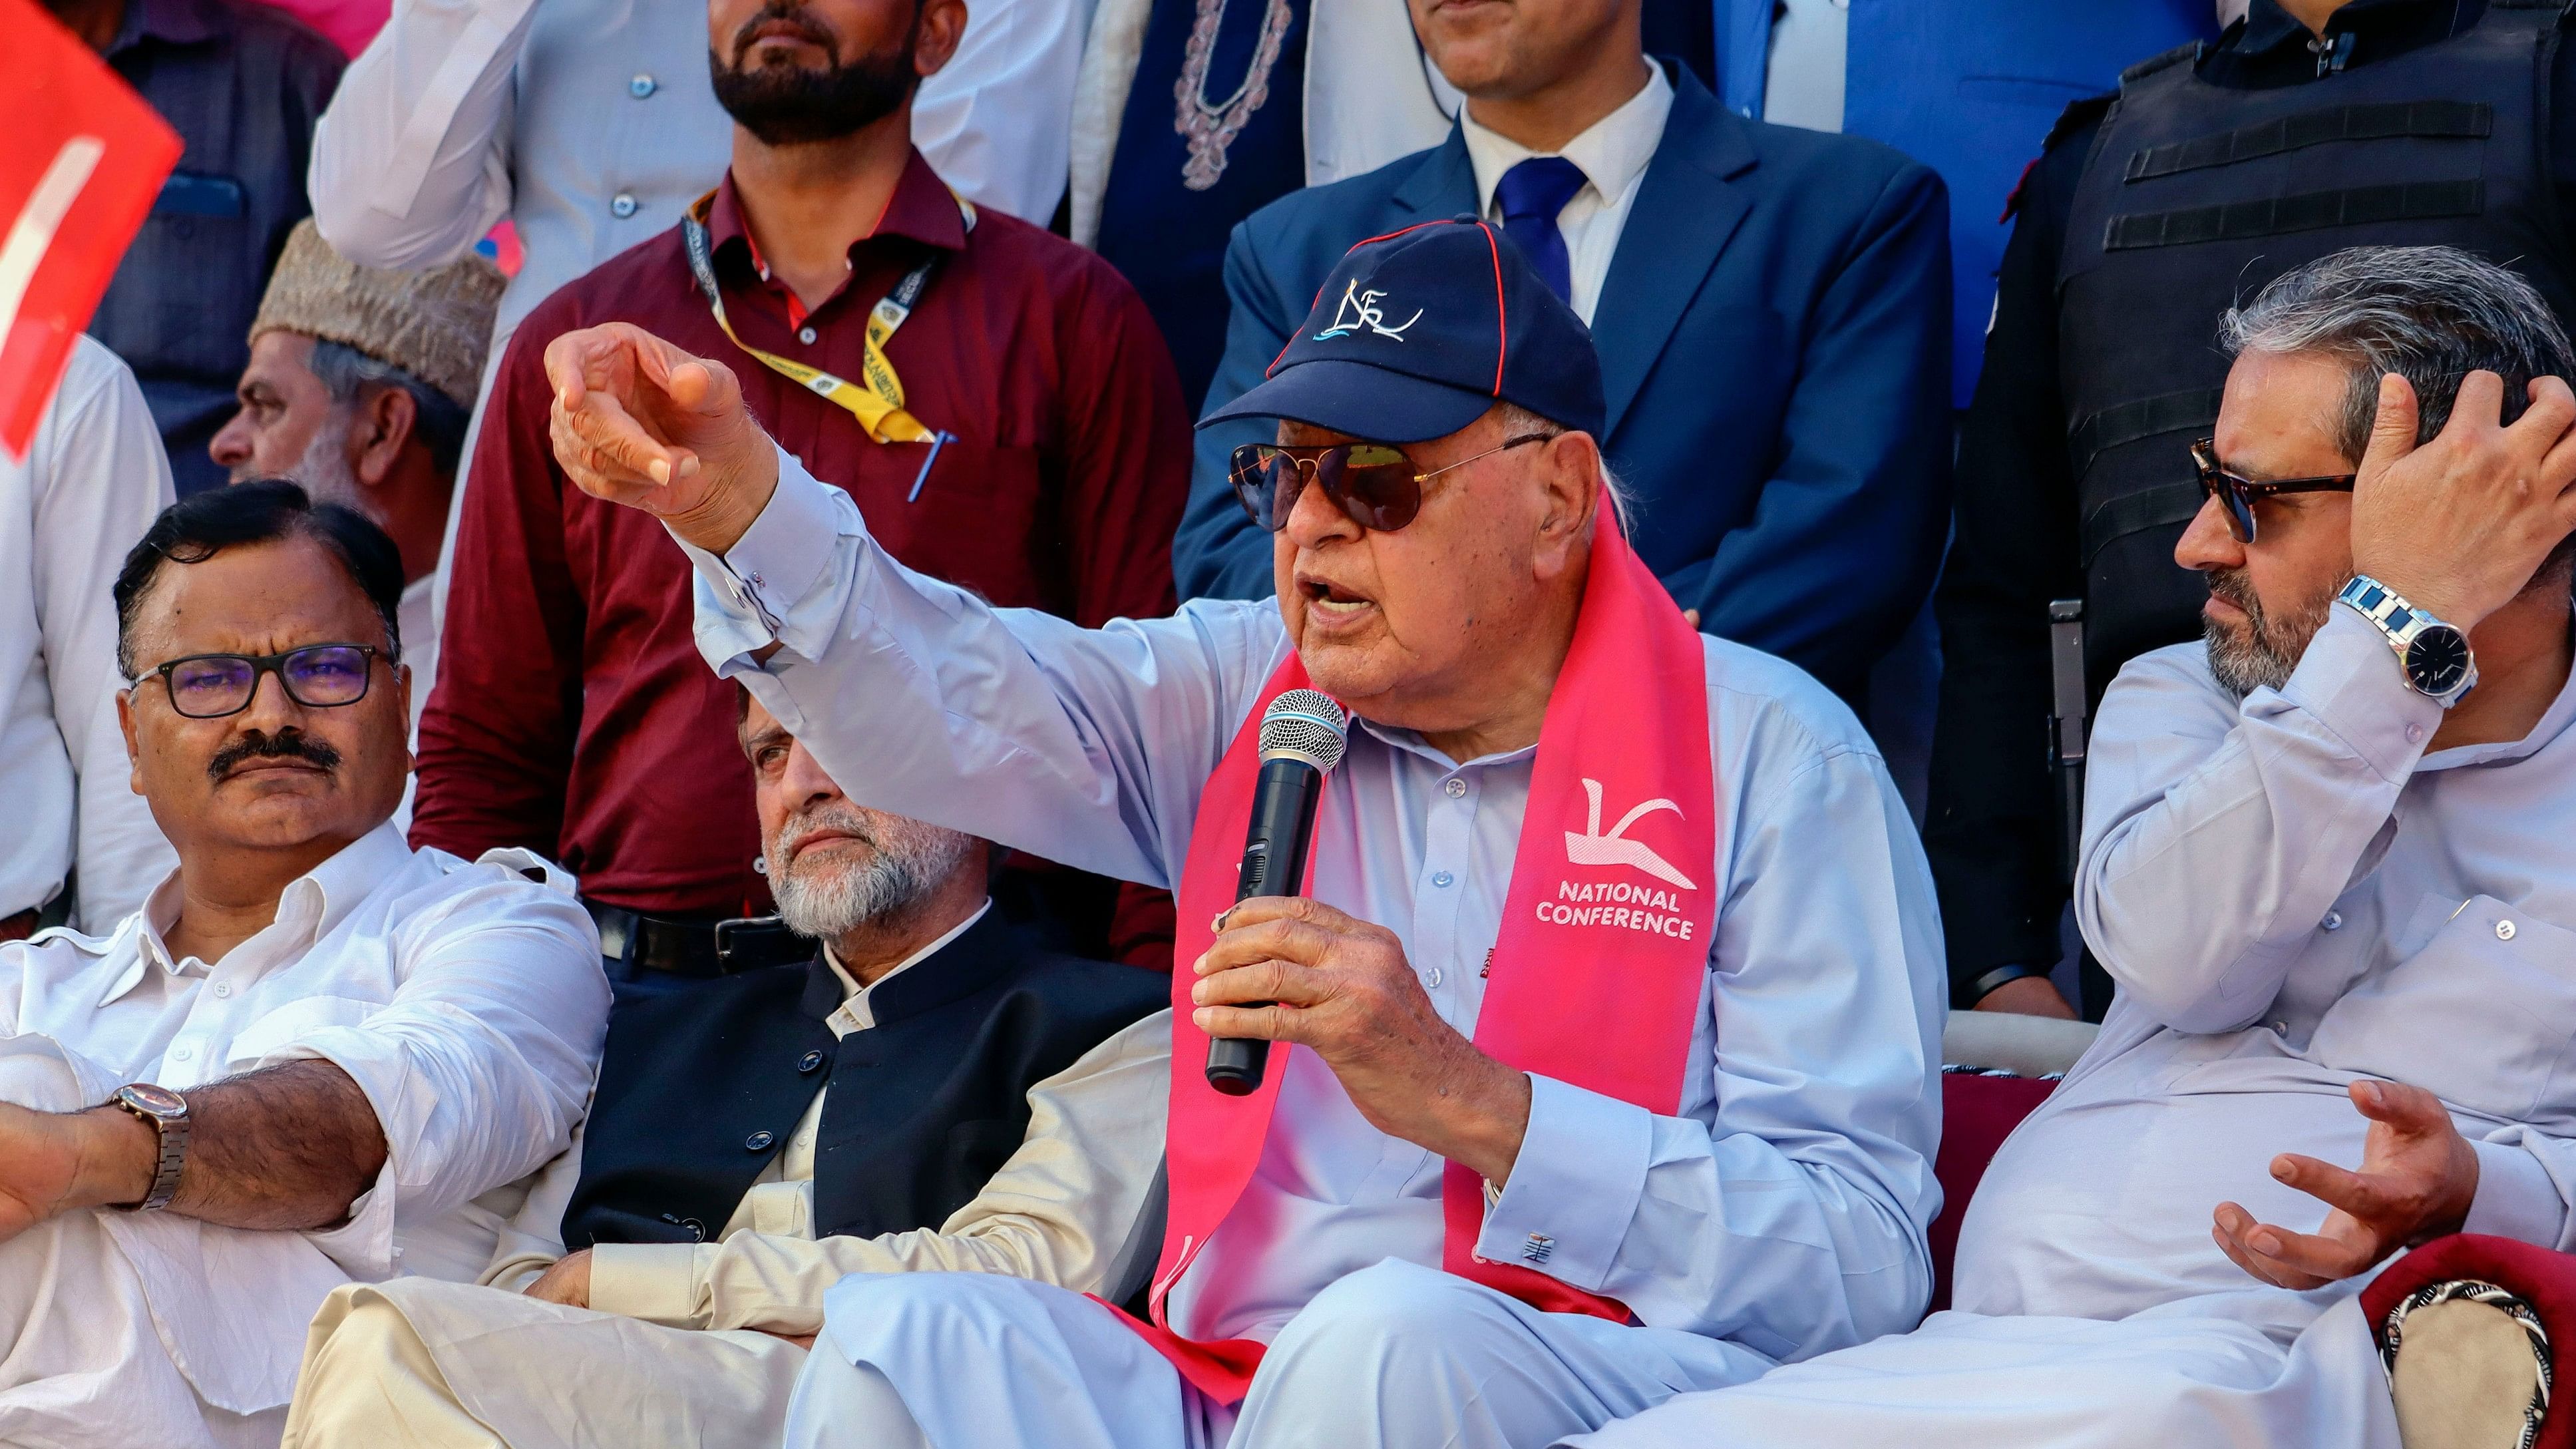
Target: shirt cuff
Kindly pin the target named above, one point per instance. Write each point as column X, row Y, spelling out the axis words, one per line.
column 2516, row 1197
column 746, row 596
column 2350, row 680
column 1574, row 1188
column 656, row 1282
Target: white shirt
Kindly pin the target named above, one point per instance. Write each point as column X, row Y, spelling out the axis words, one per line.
column 2293, row 896
column 1803, row 83
column 91, row 483
column 1783, row 1206
column 465, row 1000
column 590, row 124
column 1612, row 153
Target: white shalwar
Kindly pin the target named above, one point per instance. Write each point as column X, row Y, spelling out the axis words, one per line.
column 1779, row 1214
column 466, row 1002
column 2293, row 896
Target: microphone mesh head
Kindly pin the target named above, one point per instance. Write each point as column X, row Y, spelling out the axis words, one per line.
column 1305, row 724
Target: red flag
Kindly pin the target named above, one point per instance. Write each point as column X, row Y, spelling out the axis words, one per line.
column 84, row 160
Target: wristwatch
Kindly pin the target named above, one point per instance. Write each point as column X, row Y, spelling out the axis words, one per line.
column 2435, row 655
column 167, row 1111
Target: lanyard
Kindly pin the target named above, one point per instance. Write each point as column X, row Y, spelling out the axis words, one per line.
column 876, row 399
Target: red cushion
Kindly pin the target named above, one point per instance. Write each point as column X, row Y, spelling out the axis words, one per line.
column 1977, row 1113
column 2541, row 1277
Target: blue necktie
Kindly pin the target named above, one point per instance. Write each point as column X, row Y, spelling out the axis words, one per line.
column 1531, row 194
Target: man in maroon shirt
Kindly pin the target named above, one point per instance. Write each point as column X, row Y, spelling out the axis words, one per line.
column 1040, row 456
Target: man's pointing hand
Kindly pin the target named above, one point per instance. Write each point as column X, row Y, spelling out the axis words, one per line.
column 640, row 422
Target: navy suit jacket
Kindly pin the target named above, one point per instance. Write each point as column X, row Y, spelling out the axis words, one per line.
column 1774, row 337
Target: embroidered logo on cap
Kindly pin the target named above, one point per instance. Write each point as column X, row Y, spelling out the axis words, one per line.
column 1360, row 309
column 1594, row 848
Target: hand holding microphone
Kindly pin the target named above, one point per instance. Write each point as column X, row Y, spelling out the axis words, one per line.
column 1303, row 734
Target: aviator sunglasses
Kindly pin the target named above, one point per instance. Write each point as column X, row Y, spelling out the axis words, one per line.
column 2236, row 496
column 1374, row 484
column 317, row 676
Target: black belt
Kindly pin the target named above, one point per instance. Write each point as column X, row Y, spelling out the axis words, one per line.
column 695, row 948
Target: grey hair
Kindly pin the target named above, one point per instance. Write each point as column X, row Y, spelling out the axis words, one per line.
column 2432, row 315
column 1516, row 420
column 345, row 372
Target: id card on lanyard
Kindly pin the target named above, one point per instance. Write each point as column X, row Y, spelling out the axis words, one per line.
column 876, row 399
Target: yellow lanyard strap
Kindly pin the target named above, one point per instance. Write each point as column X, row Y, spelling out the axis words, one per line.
column 876, row 399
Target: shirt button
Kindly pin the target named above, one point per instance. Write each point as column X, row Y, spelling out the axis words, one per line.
column 758, row 1142
column 641, row 86
column 2504, row 930
column 2333, row 921
column 1456, row 787
column 805, row 335
column 1435, row 975
column 2414, row 734
column 2280, row 1026
column 223, row 989
column 811, row 1061
column 181, row 1054
column 622, row 205
column 1443, row 879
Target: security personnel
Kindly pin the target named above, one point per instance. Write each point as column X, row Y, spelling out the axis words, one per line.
column 2310, row 126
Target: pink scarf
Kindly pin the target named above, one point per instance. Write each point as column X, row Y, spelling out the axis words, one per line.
column 1597, row 974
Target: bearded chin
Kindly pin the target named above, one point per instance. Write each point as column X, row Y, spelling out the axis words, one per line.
column 791, row 106
column 2264, row 651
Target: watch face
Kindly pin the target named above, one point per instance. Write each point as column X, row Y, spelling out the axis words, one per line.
column 2438, row 661
column 160, row 1101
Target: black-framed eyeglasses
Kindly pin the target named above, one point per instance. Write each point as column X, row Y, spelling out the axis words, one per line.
column 1374, row 484
column 2236, row 496
column 317, row 676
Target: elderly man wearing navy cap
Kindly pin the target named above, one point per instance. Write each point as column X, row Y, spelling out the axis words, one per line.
column 1606, row 1014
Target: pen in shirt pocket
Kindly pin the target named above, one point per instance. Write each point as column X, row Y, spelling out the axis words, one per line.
column 938, row 441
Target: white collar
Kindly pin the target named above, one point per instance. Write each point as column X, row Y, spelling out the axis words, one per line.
column 850, row 986
column 1612, row 152
column 312, row 903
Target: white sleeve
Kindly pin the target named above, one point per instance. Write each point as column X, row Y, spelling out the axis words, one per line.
column 1088, row 747
column 100, row 477
column 411, row 160
column 996, row 121
column 1073, row 1207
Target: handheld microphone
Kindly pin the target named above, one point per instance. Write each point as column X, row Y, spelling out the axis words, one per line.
column 1302, row 738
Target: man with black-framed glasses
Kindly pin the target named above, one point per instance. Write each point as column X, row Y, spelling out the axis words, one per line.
column 315, row 1055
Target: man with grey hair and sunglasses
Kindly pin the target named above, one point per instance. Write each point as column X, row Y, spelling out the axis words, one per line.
column 929, row 1093
column 2325, row 861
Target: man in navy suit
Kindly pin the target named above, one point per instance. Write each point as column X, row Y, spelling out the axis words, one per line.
column 1772, row 308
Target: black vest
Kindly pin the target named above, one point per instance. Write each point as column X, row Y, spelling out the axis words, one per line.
column 699, row 1089
column 2195, row 195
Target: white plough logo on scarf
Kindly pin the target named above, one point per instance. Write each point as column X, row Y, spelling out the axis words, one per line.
column 1619, row 905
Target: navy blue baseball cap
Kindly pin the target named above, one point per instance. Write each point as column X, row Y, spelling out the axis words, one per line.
column 1415, row 334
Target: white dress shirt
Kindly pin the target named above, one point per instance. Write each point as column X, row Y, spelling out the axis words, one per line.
column 1782, row 1207
column 590, row 124
column 91, row 483
column 1612, row 153
column 466, row 1002
column 2293, row 896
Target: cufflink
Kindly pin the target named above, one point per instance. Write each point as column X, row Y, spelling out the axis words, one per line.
column 1538, row 1248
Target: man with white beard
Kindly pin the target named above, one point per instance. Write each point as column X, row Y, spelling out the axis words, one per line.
column 360, row 384
column 928, row 1094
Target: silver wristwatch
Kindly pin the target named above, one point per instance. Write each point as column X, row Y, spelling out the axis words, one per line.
column 2435, row 656
column 167, row 1111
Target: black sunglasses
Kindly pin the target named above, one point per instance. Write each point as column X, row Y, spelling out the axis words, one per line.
column 1374, row 484
column 2237, row 496
column 317, row 676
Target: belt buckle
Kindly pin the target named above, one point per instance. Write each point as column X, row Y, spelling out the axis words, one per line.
column 740, row 939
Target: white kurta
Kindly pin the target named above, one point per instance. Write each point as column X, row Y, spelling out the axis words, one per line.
column 1777, row 1214
column 2293, row 896
column 466, row 1002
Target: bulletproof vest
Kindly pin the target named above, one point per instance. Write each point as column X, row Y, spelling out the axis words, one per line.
column 2195, row 195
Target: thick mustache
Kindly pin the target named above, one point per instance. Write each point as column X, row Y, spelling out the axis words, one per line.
column 810, row 27
column 798, row 827
column 257, row 746
column 2231, row 585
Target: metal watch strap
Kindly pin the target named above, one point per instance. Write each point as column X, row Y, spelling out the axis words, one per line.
column 2400, row 622
column 171, row 1133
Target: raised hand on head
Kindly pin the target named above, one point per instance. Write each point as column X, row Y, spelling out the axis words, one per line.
column 640, row 422
column 2459, row 524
